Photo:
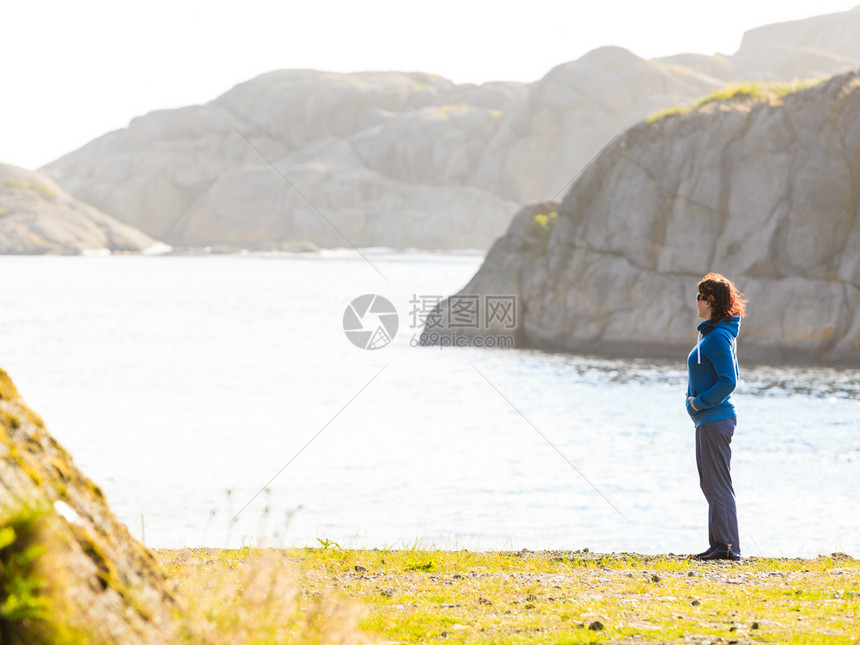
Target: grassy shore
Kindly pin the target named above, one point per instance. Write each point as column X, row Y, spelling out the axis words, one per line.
column 332, row 595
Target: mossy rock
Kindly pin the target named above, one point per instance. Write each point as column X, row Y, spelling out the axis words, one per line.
column 70, row 572
column 8, row 390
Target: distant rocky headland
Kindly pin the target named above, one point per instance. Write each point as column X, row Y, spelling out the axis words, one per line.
column 762, row 187
column 38, row 217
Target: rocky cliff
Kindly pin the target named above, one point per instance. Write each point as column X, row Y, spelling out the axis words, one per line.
column 404, row 159
column 400, row 159
column 69, row 571
column 37, row 216
column 766, row 191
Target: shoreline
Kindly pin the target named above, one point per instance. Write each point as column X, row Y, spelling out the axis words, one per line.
column 580, row 555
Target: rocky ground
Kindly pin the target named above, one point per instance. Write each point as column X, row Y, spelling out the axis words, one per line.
column 409, row 596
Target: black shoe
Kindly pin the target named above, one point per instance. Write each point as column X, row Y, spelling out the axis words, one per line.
column 721, row 554
column 703, row 554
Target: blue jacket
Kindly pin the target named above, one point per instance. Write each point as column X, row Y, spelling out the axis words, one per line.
column 712, row 371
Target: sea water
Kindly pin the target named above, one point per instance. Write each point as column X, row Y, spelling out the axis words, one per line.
column 217, row 401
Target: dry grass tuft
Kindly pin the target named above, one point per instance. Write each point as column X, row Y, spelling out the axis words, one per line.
column 255, row 597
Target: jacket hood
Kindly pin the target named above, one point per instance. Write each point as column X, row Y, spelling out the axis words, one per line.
column 732, row 326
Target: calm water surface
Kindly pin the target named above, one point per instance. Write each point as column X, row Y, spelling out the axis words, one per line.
column 193, row 389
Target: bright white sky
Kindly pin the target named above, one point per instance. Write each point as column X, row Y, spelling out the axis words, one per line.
column 75, row 69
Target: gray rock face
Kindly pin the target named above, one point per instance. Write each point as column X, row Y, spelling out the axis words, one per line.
column 338, row 207
column 815, row 47
column 155, row 168
column 548, row 136
column 336, row 159
column 37, row 216
column 765, row 193
column 835, row 33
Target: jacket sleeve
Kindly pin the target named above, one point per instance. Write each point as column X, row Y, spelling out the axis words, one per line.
column 723, row 359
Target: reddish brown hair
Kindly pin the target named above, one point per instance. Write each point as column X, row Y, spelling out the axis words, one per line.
column 726, row 301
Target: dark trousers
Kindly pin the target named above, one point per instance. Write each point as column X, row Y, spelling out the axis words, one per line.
column 714, row 460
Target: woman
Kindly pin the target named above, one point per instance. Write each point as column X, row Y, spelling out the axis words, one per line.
column 712, row 369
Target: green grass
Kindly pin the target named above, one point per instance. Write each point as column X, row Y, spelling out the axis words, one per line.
column 759, row 91
column 756, row 92
column 18, row 184
column 412, row 595
column 21, row 597
column 29, row 613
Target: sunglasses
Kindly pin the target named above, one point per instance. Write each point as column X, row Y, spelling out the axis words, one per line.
column 699, row 296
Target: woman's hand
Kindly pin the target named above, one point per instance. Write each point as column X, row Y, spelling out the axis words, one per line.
column 690, row 399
